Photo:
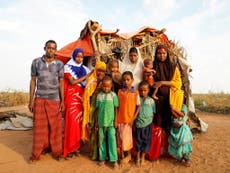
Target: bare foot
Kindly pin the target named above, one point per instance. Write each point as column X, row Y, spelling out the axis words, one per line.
column 32, row 160
column 115, row 165
column 138, row 163
column 100, row 163
column 154, row 97
column 126, row 159
column 187, row 163
column 142, row 163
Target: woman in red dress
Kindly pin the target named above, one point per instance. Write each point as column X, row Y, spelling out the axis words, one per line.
column 75, row 74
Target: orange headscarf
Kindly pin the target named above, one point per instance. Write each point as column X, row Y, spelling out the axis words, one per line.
column 91, row 84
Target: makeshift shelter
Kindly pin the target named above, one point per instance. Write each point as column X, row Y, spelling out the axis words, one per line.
column 106, row 44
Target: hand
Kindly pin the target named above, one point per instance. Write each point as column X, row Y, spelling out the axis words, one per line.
column 131, row 124
column 62, row 107
column 96, row 126
column 172, row 107
column 31, row 106
column 115, row 124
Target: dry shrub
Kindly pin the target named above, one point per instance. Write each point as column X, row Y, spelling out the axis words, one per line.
column 13, row 98
column 213, row 102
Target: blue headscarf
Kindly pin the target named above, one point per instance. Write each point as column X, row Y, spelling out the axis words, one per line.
column 79, row 71
column 76, row 51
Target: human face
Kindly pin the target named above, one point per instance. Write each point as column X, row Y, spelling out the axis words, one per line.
column 149, row 65
column 114, row 67
column 162, row 54
column 133, row 56
column 127, row 81
column 106, row 86
column 144, row 91
column 79, row 58
column 146, row 75
column 100, row 74
column 50, row 50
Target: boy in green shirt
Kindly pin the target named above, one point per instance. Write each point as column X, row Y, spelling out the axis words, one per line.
column 107, row 103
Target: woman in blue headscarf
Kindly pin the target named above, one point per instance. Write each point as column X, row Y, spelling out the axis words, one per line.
column 75, row 74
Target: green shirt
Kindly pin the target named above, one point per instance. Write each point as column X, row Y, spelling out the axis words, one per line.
column 145, row 115
column 106, row 103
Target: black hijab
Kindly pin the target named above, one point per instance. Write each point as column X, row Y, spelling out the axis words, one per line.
column 164, row 70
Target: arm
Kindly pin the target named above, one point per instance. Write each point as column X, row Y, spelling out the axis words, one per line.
column 162, row 83
column 176, row 113
column 138, row 106
column 115, row 119
column 136, row 112
column 96, row 118
column 117, row 77
column 146, row 69
column 31, row 94
column 175, row 83
column 61, row 91
column 73, row 81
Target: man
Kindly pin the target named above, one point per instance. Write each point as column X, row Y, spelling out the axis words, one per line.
column 47, row 102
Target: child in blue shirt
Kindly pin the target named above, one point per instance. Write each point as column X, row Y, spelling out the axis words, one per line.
column 143, row 123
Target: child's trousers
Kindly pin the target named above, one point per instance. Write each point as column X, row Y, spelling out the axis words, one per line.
column 107, row 141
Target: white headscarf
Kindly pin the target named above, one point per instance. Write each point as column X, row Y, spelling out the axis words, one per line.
column 68, row 69
column 135, row 68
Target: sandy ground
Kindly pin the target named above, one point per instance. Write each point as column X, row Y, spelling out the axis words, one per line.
column 211, row 153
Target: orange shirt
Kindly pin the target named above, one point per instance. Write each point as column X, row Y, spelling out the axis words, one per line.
column 128, row 100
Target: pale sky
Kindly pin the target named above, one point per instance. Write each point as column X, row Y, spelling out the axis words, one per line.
column 202, row 27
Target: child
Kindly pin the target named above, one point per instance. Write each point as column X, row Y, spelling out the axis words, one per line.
column 148, row 73
column 133, row 62
column 143, row 123
column 106, row 104
column 128, row 109
column 113, row 70
column 92, row 88
column 180, row 136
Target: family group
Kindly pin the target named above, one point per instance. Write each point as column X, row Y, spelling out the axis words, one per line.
column 126, row 110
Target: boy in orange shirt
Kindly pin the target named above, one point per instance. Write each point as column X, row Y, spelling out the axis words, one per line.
column 127, row 112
